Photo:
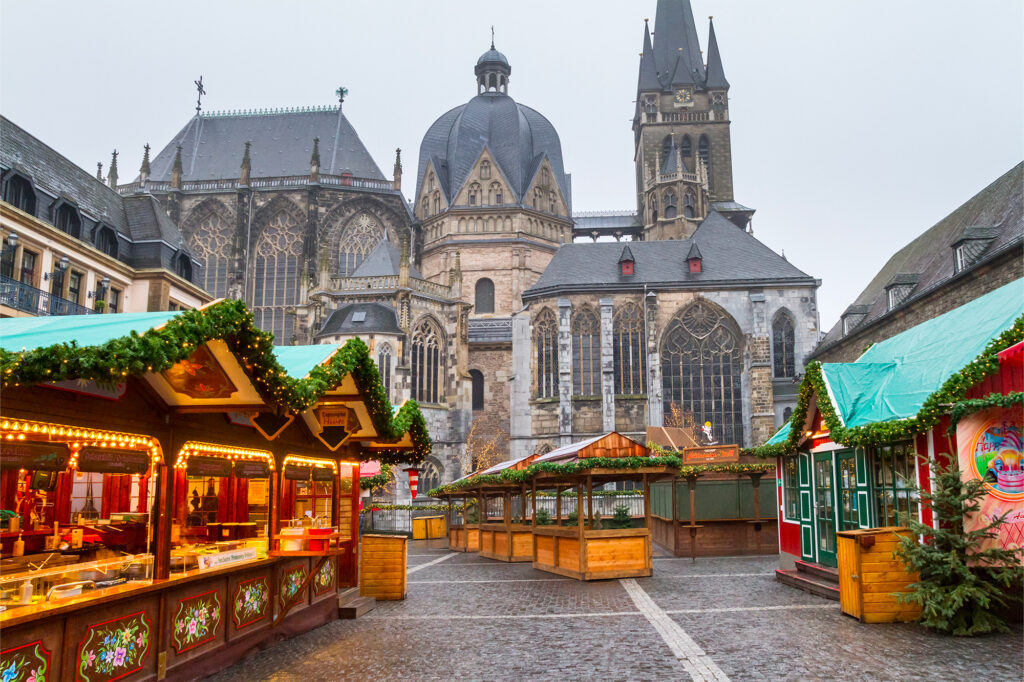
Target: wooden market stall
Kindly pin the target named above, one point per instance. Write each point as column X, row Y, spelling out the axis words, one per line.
column 508, row 535
column 464, row 522
column 159, row 463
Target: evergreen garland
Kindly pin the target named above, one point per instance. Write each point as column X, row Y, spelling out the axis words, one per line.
column 159, row 349
column 966, row 407
column 377, row 481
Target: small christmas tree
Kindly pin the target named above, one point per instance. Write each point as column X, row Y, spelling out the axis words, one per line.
column 544, row 518
column 962, row 587
column 621, row 518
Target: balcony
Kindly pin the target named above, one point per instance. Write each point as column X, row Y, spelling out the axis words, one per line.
column 26, row 298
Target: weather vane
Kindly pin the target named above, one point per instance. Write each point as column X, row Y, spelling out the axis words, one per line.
column 341, row 92
column 492, row 36
column 201, row 92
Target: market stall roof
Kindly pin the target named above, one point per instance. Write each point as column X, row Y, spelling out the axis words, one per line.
column 299, row 361
column 569, row 451
column 893, row 378
column 28, row 333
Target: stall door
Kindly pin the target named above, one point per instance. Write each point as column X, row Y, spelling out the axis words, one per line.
column 806, row 506
column 824, row 509
column 846, row 483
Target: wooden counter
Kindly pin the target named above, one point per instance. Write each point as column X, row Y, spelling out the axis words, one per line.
column 506, row 542
column 593, row 554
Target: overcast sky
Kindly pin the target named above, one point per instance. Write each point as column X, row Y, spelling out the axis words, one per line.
column 855, row 125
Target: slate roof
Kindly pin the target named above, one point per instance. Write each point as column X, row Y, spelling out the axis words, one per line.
column 384, row 260
column 378, row 317
column 282, row 144
column 998, row 210
column 517, row 136
column 675, row 57
column 729, row 256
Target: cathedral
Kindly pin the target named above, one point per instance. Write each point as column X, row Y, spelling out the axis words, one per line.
column 487, row 298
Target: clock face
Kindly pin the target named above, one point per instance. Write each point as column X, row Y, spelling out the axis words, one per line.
column 684, row 96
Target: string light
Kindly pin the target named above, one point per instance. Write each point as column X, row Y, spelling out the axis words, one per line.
column 312, row 461
column 223, row 451
column 76, row 439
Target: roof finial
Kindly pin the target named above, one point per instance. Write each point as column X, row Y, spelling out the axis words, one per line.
column 492, row 36
column 112, row 173
column 200, row 91
column 341, row 92
column 145, row 159
column 99, row 171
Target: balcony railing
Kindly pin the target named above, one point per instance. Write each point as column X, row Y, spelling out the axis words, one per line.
column 27, row 298
column 258, row 183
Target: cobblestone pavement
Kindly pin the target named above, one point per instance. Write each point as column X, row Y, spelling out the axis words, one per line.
column 724, row 618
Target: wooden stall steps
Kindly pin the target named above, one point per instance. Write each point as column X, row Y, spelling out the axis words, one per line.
column 351, row 605
column 814, row 578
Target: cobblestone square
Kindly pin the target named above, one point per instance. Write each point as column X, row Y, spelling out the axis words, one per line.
column 466, row 617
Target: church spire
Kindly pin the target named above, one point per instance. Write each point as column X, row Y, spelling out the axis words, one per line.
column 648, row 79
column 716, row 74
column 398, row 169
column 112, row 173
column 144, row 168
column 676, row 46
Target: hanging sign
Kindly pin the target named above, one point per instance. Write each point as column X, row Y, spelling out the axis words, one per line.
column 111, row 461
column 34, row 456
column 252, row 468
column 711, row 454
column 208, row 466
column 294, row 472
column 323, row 474
column 337, row 423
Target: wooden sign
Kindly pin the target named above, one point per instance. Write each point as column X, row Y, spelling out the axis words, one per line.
column 34, row 456
column 294, row 472
column 252, row 469
column 337, row 423
column 208, row 466
column 111, row 461
column 323, row 474
column 711, row 454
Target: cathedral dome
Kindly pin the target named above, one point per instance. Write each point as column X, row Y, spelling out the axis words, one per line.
column 517, row 137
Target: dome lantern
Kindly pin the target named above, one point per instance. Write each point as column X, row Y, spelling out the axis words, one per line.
column 492, row 71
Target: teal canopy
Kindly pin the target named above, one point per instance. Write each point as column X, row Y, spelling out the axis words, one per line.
column 29, row 333
column 894, row 377
column 781, row 436
column 299, row 361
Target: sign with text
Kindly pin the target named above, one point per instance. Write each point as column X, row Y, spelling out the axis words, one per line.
column 252, row 469
column 111, row 461
column 294, row 472
column 323, row 474
column 34, row 456
column 208, row 466
column 711, row 454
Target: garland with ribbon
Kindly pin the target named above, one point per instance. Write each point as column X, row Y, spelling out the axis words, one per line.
column 230, row 321
column 951, row 392
column 411, row 507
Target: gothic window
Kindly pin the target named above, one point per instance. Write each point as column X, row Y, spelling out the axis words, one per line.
column 360, row 236
column 384, row 367
column 551, row 202
column 19, row 194
column 426, row 363
column 545, row 337
column 183, row 267
column 688, row 205
column 437, row 202
column 537, row 197
column 66, row 219
column 686, row 148
column 586, row 353
column 670, row 204
column 485, row 170
column 106, row 241
column 704, row 149
column 484, row 299
column 629, row 351
column 494, row 197
column 545, row 177
column 276, row 281
column 477, row 377
column 702, row 364
column 474, row 194
column 783, row 342
column 210, row 240
column 430, row 476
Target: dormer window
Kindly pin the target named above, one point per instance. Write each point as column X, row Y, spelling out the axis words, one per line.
column 694, row 260
column 626, row 262
column 853, row 316
column 960, row 261
column 66, row 219
column 971, row 244
column 899, row 289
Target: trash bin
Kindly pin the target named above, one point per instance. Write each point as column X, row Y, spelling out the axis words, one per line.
column 870, row 576
column 382, row 566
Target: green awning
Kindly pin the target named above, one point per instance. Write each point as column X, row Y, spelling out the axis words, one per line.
column 781, row 436
column 29, row 333
column 299, row 361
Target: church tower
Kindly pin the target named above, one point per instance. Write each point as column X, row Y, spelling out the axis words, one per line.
column 683, row 149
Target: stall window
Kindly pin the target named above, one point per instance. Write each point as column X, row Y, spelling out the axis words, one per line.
column 313, row 498
column 895, row 482
column 790, row 488
column 86, row 495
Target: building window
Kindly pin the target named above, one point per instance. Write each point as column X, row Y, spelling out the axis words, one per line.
column 485, row 170
column 484, row 299
column 494, row 194
column 384, row 368
column 960, row 258
column 106, row 241
column 114, row 300
column 894, row 483
column 426, row 363
column 687, row 147
column 629, row 351
column 897, row 294
column 477, row 377
column 359, row 237
column 552, row 204
column 702, row 364
column 786, row 414
column 276, row 275
column 66, row 219
column 28, row 267
column 688, row 205
column 704, row 149
column 437, row 202
column 537, row 198
column 790, row 488
column 670, row 204
column 783, row 346
column 209, row 237
column 75, row 287
column 19, row 194
column 183, row 267
column 586, row 353
column 431, row 476
column 545, row 337
column 474, row 194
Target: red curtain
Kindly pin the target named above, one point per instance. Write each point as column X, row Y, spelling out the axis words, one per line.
column 62, row 500
column 180, row 496
column 9, row 489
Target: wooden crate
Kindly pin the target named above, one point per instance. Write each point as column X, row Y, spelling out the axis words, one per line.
column 383, row 563
column 870, row 576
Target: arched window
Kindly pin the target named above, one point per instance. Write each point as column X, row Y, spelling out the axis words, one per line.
column 687, row 147
column 183, row 267
column 474, row 194
column 430, row 476
column 702, row 364
column 106, row 241
column 276, row 281
column 704, row 149
column 629, row 351
column 783, row 346
column 537, row 197
column 66, row 219
column 477, row 377
column 545, row 337
column 670, row 204
column 545, row 177
column 586, row 353
column 787, row 413
column 437, row 202
column 484, row 300
column 485, row 170
column 210, row 238
column 551, row 202
column 688, row 205
column 426, row 363
column 359, row 237
column 384, row 367
column 494, row 197
column 19, row 193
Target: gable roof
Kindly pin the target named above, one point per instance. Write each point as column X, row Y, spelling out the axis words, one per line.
column 729, row 256
column 384, row 260
column 377, row 317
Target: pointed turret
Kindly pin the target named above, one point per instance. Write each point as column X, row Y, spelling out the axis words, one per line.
column 246, row 165
column 716, row 74
column 648, row 79
column 314, row 161
column 398, row 169
column 144, row 168
column 176, row 170
column 112, row 173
